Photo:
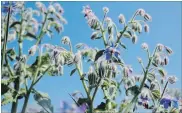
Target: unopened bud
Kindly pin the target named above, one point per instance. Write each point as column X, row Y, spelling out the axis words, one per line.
column 141, row 12
column 169, row 50
column 147, row 17
column 121, row 18
column 160, row 47
column 145, row 46
column 134, row 38
column 146, row 28
column 32, row 50
column 106, row 10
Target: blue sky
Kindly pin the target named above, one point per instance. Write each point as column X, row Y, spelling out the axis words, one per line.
column 165, row 28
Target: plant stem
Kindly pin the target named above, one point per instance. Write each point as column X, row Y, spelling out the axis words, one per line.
column 34, row 81
column 164, row 90
column 125, row 28
column 96, row 89
column 6, row 38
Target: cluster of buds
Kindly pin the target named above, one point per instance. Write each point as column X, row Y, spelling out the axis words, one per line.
column 92, row 19
column 142, row 13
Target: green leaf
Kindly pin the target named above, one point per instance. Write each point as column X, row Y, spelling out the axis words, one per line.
column 15, row 23
column 156, row 94
column 99, row 54
column 30, row 35
column 72, row 72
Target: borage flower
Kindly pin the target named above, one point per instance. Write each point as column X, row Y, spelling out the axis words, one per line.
column 110, row 51
column 168, row 101
column 144, row 101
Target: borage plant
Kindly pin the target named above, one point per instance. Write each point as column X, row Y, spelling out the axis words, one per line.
column 148, row 91
column 18, row 76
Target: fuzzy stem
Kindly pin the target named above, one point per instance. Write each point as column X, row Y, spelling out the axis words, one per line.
column 125, row 28
column 34, row 81
column 6, row 38
column 164, row 90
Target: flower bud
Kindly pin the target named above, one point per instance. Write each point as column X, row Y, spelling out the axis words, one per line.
column 147, row 17
column 59, row 8
column 134, row 38
column 166, row 60
column 146, row 28
column 121, row 18
column 106, row 10
column 32, row 50
column 169, row 50
column 160, row 47
column 94, row 35
column 141, row 12
column 172, row 79
column 65, row 40
column 51, row 9
column 145, row 46
column 77, row 57
column 92, row 77
column 139, row 60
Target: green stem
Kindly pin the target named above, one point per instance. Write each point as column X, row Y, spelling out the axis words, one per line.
column 6, row 38
column 164, row 90
column 96, row 89
column 34, row 81
column 125, row 28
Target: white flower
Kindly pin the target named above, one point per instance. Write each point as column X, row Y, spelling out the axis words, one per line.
column 172, row 79
column 106, row 10
column 145, row 46
column 32, row 50
column 51, row 9
column 121, row 18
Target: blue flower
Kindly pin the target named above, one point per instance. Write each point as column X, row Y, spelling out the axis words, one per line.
column 110, row 51
column 165, row 102
column 175, row 104
column 144, row 101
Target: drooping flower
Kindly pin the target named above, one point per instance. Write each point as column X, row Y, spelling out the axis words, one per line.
column 110, row 51
column 169, row 50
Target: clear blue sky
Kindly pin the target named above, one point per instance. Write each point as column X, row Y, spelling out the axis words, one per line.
column 165, row 28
